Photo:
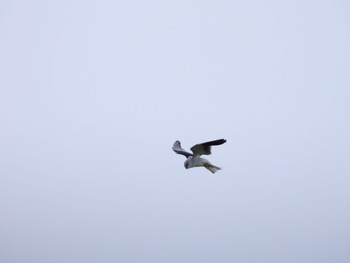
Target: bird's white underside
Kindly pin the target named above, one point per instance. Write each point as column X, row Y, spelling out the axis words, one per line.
column 200, row 162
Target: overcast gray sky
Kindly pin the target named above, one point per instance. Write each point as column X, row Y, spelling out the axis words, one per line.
column 94, row 93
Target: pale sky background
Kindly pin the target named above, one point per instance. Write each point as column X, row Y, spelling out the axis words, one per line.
column 94, row 93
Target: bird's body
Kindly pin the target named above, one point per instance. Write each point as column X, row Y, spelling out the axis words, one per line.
column 194, row 160
column 198, row 162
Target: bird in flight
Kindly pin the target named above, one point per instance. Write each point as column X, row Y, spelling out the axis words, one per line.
column 194, row 159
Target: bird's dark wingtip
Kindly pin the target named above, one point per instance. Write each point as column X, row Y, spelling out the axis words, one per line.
column 220, row 141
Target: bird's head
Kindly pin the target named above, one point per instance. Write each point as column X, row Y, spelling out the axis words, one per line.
column 186, row 164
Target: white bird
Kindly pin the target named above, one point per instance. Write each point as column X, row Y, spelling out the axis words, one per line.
column 194, row 160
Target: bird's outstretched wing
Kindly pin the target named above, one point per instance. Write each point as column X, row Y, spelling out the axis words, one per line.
column 205, row 148
column 177, row 148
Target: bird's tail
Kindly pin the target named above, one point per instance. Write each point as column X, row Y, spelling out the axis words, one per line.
column 212, row 168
